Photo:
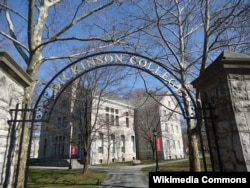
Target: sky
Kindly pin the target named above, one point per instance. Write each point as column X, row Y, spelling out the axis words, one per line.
column 51, row 67
column 115, row 15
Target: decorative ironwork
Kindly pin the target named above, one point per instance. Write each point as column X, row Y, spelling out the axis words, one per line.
column 71, row 72
column 51, row 91
column 46, row 100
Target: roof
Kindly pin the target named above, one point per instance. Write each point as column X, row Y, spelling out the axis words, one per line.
column 233, row 55
column 13, row 69
column 226, row 62
column 148, row 100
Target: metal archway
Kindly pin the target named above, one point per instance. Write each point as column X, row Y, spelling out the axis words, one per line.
column 45, row 103
column 112, row 58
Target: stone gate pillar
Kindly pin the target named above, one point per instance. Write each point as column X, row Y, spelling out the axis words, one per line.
column 225, row 85
column 13, row 81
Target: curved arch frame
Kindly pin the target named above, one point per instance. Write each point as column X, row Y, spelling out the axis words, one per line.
column 45, row 99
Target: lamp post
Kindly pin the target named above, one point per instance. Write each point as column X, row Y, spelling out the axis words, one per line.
column 70, row 146
column 156, row 152
column 169, row 147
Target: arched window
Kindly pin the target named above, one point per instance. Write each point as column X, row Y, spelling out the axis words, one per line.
column 133, row 143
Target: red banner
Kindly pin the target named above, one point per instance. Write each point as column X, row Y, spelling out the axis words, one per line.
column 158, row 143
column 73, row 150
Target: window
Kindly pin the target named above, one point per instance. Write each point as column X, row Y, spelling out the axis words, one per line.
column 179, row 144
column 79, row 144
column 169, row 103
column 100, row 149
column 63, row 141
column 147, row 146
column 112, row 116
column 164, row 112
column 123, row 149
column 107, row 119
column 174, row 144
column 59, row 121
column 64, row 121
column 107, row 109
column 112, row 144
column 55, row 145
column 117, row 117
column 44, row 146
column 133, row 143
column 117, row 120
column 59, row 145
column 166, row 127
column 112, row 119
column 168, row 144
column 100, row 143
column 127, row 120
column 123, row 143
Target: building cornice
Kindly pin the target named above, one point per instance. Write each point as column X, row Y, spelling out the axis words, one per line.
column 15, row 71
column 225, row 63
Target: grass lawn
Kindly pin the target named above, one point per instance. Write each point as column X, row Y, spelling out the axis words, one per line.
column 180, row 166
column 47, row 178
column 59, row 178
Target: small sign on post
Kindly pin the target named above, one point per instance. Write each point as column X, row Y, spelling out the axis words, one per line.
column 73, row 150
column 158, row 143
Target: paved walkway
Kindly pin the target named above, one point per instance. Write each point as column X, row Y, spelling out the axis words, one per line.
column 126, row 177
column 122, row 177
column 129, row 176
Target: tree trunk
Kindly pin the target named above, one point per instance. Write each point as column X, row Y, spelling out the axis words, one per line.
column 85, row 161
column 193, row 137
column 194, row 159
column 108, row 155
column 23, row 141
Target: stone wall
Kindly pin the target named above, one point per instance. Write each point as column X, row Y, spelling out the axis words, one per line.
column 225, row 85
column 239, row 86
column 13, row 80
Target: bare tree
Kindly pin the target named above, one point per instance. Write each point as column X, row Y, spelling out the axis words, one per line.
column 147, row 120
column 186, row 36
column 149, row 116
column 90, row 91
column 46, row 31
column 110, row 138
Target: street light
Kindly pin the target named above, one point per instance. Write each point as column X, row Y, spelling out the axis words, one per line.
column 169, row 147
column 70, row 146
column 156, row 152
